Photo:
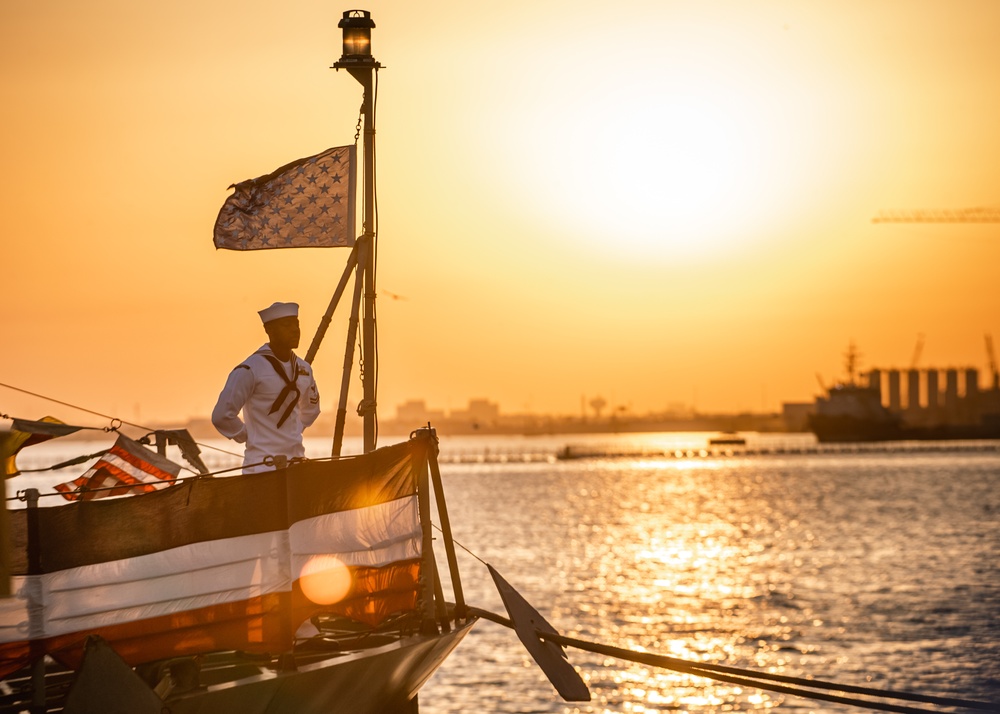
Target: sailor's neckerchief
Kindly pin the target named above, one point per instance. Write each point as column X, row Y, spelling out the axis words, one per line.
column 290, row 386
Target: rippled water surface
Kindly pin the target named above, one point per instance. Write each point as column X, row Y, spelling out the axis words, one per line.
column 876, row 569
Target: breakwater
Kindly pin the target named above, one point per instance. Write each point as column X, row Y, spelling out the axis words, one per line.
column 624, row 451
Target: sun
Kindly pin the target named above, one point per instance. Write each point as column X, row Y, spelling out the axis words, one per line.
column 679, row 181
column 689, row 154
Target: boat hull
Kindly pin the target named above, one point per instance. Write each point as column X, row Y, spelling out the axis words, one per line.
column 383, row 678
column 843, row 429
column 833, row 429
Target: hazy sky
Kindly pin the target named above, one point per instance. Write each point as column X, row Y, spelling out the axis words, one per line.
column 659, row 203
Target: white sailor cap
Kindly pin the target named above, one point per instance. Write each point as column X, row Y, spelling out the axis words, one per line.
column 278, row 310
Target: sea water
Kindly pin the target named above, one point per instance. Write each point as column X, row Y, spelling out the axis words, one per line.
column 879, row 568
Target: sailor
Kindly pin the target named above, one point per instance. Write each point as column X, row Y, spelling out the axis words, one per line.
column 276, row 392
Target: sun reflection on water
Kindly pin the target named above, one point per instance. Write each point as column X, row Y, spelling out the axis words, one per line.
column 800, row 567
column 671, row 578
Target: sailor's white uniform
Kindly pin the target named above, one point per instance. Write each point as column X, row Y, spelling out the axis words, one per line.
column 271, row 428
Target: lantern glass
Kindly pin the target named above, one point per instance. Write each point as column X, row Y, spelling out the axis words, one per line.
column 357, row 26
column 357, row 42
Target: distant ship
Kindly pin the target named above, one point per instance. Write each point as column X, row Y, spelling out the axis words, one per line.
column 854, row 411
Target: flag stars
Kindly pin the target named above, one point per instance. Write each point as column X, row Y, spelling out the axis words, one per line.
column 301, row 205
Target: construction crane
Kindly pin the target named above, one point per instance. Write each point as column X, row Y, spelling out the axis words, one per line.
column 916, row 351
column 993, row 361
column 959, row 215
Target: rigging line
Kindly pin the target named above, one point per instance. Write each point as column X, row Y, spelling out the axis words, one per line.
column 106, row 416
column 744, row 676
column 64, row 464
column 161, row 486
column 374, row 365
column 195, row 477
column 710, row 670
column 459, row 544
column 81, row 459
column 757, row 679
column 749, row 679
column 88, row 428
column 731, row 679
column 71, row 406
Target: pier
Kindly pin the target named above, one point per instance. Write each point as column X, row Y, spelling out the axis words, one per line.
column 571, row 452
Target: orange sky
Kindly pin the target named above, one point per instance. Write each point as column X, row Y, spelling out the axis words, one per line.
column 655, row 202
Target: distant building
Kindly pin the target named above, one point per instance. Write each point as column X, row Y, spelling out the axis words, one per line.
column 796, row 415
column 480, row 411
column 416, row 413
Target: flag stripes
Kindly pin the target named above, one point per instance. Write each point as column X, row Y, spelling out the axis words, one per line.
column 127, row 465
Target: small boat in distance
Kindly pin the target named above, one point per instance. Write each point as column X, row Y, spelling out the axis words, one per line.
column 727, row 438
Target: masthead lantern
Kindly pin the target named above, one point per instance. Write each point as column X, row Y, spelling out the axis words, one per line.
column 357, row 26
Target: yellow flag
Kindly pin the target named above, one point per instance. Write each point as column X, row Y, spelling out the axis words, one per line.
column 13, row 441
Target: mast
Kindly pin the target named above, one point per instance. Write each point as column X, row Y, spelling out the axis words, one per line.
column 358, row 61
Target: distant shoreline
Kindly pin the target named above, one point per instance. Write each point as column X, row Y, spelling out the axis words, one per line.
column 536, row 425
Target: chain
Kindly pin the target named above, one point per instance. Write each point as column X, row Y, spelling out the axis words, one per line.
column 361, row 357
column 361, row 115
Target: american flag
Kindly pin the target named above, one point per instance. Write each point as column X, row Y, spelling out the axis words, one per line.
column 308, row 203
column 127, row 467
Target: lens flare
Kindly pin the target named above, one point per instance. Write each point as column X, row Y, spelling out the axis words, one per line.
column 325, row 579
